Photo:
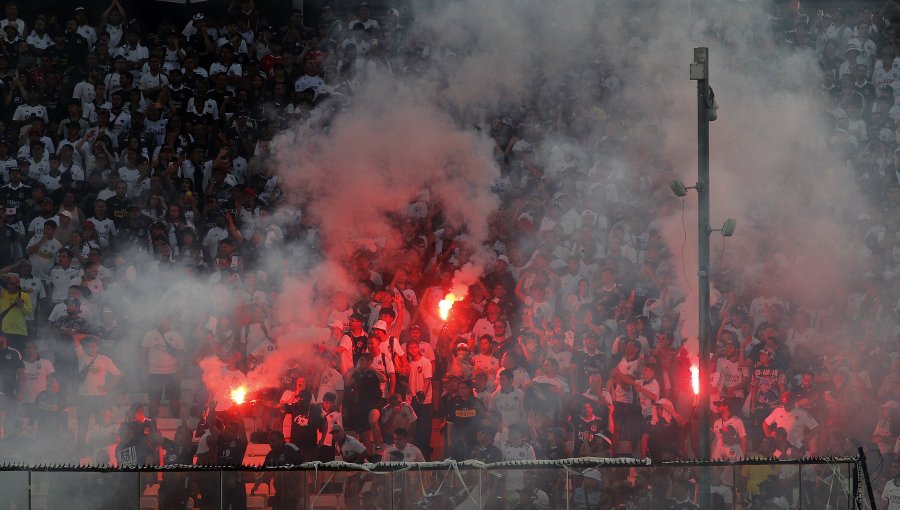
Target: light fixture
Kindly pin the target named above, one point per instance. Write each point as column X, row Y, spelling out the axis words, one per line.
column 678, row 188
column 728, row 227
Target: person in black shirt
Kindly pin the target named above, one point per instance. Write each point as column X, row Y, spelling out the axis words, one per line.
column 14, row 194
column 230, row 446
column 134, row 229
column 306, row 419
column 365, row 384
column 463, row 416
column 49, row 410
column 173, row 490
column 287, row 483
column 117, row 206
column 12, row 372
column 10, row 242
column 589, row 427
column 587, row 362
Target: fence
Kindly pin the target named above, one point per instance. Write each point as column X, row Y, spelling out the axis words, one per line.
column 586, row 483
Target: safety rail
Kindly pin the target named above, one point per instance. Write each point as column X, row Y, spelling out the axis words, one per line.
column 582, row 483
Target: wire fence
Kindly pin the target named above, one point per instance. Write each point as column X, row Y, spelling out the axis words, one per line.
column 585, row 483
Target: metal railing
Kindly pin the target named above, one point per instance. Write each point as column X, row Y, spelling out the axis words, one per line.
column 586, row 483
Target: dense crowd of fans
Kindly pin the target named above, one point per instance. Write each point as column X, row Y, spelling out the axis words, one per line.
column 134, row 154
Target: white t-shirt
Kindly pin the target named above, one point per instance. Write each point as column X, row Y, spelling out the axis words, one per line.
column 105, row 228
column 148, row 81
column 646, row 404
column 351, row 447
column 409, row 454
column 891, row 494
column 383, row 363
column 330, row 381
column 511, row 406
column 632, row 369
column 795, row 422
column 485, row 364
column 61, row 279
column 25, row 112
column 420, row 374
column 160, row 360
column 728, row 451
column 730, row 374
column 43, row 259
column 515, row 478
column 35, row 381
column 39, row 42
column 96, row 374
column 554, row 381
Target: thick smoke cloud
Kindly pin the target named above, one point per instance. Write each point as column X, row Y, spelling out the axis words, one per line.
column 354, row 167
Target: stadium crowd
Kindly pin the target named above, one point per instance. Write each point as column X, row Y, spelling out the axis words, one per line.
column 135, row 153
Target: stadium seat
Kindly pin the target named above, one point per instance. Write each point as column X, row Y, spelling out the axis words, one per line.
column 256, row 454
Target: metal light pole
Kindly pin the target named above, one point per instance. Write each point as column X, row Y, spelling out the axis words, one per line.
column 700, row 73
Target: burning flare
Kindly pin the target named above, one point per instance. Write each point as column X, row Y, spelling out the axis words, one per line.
column 695, row 379
column 238, row 395
column 446, row 304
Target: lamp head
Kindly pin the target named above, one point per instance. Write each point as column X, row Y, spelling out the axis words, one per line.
column 728, row 227
column 678, row 188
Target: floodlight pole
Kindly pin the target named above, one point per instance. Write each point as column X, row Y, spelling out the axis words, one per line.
column 700, row 73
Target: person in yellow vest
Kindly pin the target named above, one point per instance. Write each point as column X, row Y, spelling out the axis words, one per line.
column 15, row 310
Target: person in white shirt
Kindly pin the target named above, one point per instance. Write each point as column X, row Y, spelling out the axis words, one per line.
column 98, row 375
column 330, row 381
column 135, row 53
column 485, row 362
column 42, row 250
column 104, row 226
column 85, row 30
column 63, row 276
column 798, row 424
column 31, row 109
column 508, row 400
column 729, row 435
column 39, row 40
column 152, row 80
column 163, row 350
column 891, row 492
column 36, row 371
column 402, row 450
column 517, row 449
column 12, row 18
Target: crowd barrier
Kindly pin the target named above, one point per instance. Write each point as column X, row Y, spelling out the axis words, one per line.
column 586, row 483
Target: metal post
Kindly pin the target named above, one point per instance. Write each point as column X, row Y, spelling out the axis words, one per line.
column 700, row 73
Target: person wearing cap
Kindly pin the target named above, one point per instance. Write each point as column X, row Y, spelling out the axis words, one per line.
column 800, row 426
column 84, row 29
column 350, row 449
